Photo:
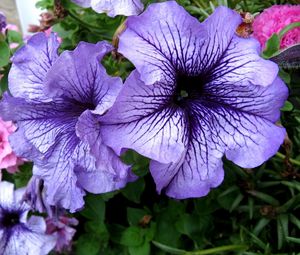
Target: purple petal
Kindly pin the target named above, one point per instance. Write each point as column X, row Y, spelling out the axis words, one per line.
column 57, row 171
column 258, row 147
column 79, row 76
column 102, row 171
column 140, row 120
column 2, row 22
column 30, row 66
column 29, row 239
column 41, row 123
column 118, row 7
column 194, row 175
column 162, row 45
column 6, row 194
column 242, row 59
column 83, row 3
column 35, row 195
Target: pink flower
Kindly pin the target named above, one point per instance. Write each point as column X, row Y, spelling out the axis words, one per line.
column 275, row 18
column 61, row 228
column 12, row 27
column 8, row 159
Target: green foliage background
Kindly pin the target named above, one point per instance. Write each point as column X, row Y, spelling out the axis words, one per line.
column 254, row 211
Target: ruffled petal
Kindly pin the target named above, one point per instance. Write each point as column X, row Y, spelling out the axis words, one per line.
column 162, row 45
column 247, row 137
column 79, row 76
column 24, row 240
column 119, row 7
column 242, row 65
column 30, row 66
column 199, row 170
column 98, row 169
column 60, row 180
column 41, row 123
column 139, row 120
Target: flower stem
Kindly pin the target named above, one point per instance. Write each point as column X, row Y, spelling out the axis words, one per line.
column 218, row 249
column 293, row 161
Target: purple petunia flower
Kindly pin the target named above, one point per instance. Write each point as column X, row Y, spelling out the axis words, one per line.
column 55, row 104
column 17, row 234
column 2, row 22
column 199, row 92
column 113, row 7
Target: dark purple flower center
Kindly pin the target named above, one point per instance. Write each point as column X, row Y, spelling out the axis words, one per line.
column 9, row 219
column 188, row 87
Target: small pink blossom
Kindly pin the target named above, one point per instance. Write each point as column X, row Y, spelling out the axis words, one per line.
column 12, row 27
column 61, row 228
column 8, row 159
column 273, row 20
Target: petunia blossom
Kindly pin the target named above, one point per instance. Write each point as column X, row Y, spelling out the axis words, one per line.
column 113, row 7
column 8, row 158
column 55, row 101
column 19, row 235
column 199, row 92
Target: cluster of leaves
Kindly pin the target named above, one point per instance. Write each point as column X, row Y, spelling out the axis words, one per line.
column 10, row 37
column 254, row 211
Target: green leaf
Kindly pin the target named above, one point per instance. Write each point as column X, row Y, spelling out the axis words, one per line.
column 14, row 37
column 280, row 235
column 143, row 249
column 255, row 239
column 134, row 215
column 192, row 224
column 260, row 225
column 150, row 232
column 140, row 164
column 285, row 76
column 94, row 208
column 134, row 190
column 4, row 82
column 236, row 202
column 97, row 228
column 295, row 221
column 284, row 221
column 132, row 236
column 22, row 177
column 272, row 46
column 293, row 239
column 166, row 231
column 88, row 244
column 292, row 184
column 251, row 207
column 264, row 197
column 4, row 54
column 288, row 106
column 293, row 201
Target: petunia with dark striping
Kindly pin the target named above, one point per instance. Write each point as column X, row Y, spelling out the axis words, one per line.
column 199, row 92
